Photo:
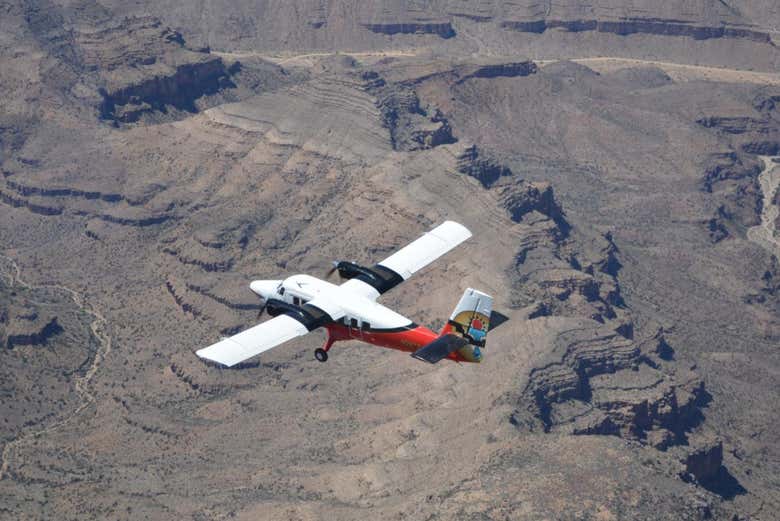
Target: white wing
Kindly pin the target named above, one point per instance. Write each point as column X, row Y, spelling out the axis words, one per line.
column 361, row 288
column 426, row 249
column 254, row 341
column 413, row 257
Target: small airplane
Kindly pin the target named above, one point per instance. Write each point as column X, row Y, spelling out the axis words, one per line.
column 302, row 303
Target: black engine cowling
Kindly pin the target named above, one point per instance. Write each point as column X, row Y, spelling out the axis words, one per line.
column 350, row 270
column 276, row 307
column 310, row 316
column 379, row 277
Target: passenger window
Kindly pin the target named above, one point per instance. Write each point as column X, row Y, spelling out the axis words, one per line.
column 281, row 291
column 354, row 323
column 365, row 326
column 296, row 301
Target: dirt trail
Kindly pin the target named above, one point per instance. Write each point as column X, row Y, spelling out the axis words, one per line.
column 677, row 71
column 764, row 234
column 680, row 72
column 98, row 327
column 305, row 59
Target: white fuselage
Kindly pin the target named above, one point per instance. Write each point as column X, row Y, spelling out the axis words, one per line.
column 352, row 306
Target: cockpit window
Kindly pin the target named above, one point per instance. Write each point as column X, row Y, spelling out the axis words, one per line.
column 280, row 290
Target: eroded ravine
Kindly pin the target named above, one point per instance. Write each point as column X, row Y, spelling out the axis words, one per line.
column 764, row 234
column 98, row 328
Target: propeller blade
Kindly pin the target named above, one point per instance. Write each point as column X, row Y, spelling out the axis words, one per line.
column 262, row 310
column 331, row 271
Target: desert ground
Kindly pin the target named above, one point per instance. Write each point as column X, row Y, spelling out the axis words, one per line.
column 618, row 164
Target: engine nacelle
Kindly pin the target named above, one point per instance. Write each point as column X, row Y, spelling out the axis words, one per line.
column 350, row 270
column 379, row 277
column 310, row 316
column 276, row 307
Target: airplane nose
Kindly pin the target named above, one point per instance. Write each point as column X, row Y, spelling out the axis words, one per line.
column 264, row 288
column 256, row 286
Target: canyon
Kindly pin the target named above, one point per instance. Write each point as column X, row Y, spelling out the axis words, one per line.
column 615, row 163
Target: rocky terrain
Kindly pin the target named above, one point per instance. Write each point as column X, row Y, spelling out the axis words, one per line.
column 616, row 163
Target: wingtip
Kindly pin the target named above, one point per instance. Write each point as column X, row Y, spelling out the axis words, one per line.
column 457, row 225
column 420, row 358
column 204, row 355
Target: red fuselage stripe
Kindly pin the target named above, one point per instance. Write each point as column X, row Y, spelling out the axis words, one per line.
column 409, row 340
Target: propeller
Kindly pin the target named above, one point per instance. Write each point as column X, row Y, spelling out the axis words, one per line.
column 262, row 309
column 332, row 270
column 346, row 269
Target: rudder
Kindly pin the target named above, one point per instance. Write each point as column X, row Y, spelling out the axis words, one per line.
column 471, row 320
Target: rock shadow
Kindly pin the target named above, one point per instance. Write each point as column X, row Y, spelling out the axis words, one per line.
column 724, row 484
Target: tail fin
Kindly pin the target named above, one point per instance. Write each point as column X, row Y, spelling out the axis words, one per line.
column 471, row 321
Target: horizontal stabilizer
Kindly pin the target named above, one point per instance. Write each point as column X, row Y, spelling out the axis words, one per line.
column 440, row 348
column 497, row 318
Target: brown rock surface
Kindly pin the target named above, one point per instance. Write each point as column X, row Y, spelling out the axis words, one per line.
column 609, row 184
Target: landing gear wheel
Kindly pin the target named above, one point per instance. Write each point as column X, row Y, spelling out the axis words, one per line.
column 321, row 355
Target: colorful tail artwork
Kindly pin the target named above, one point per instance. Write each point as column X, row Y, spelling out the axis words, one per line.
column 471, row 320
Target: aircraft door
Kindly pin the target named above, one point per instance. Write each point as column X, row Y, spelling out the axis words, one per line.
column 354, row 328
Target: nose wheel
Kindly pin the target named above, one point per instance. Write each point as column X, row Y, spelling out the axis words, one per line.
column 321, row 355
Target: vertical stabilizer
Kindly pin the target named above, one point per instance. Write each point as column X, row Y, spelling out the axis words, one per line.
column 471, row 320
